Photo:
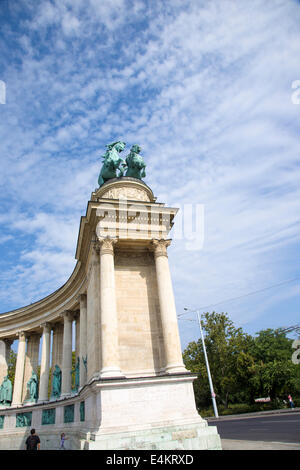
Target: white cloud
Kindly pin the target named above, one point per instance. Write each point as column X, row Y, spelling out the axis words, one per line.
column 204, row 88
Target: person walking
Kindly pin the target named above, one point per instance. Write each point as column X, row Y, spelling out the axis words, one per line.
column 33, row 441
column 63, row 438
column 291, row 402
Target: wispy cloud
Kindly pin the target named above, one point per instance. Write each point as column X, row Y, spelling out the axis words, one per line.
column 203, row 87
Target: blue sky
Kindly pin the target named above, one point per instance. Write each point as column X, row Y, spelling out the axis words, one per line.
column 204, row 87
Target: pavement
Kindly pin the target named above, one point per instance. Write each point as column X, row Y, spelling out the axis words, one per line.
column 252, row 415
column 238, row 444
column 235, row 444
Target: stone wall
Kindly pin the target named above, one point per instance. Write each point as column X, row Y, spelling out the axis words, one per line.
column 140, row 339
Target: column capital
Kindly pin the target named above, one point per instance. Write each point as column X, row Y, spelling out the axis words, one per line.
column 46, row 327
column 22, row 335
column 32, row 334
column 8, row 342
column 57, row 325
column 106, row 245
column 67, row 315
column 160, row 247
column 76, row 314
column 81, row 297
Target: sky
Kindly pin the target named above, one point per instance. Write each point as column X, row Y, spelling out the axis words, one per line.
column 206, row 89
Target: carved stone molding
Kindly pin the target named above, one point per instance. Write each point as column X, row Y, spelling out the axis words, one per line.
column 133, row 194
column 96, row 246
column 160, row 247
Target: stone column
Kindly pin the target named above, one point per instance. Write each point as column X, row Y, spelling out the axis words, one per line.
column 77, row 334
column 45, row 363
column 5, row 345
column 66, row 382
column 93, row 313
column 109, row 319
column 83, row 339
column 57, row 346
column 173, row 354
column 31, row 360
column 19, row 374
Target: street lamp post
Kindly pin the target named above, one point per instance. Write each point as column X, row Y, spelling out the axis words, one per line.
column 213, row 395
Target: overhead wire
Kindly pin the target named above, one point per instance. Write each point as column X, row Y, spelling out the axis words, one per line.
column 243, row 296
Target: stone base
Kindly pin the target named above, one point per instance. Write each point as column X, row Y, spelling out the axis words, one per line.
column 149, row 413
column 185, row 437
column 29, row 403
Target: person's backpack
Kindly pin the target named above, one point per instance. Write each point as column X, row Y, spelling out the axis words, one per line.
column 32, row 442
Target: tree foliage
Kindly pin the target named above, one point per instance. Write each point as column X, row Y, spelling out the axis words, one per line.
column 242, row 367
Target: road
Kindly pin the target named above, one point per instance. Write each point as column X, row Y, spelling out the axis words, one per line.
column 283, row 428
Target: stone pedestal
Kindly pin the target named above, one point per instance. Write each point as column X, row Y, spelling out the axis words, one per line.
column 151, row 413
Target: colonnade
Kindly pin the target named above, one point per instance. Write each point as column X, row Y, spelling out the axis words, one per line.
column 108, row 323
column 28, row 356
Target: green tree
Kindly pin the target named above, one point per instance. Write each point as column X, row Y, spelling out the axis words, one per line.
column 271, row 345
column 273, row 373
column 227, row 350
column 242, row 367
column 275, row 379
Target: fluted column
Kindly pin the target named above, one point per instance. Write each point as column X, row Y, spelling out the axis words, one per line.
column 173, row 354
column 83, row 340
column 45, row 363
column 19, row 373
column 31, row 360
column 57, row 346
column 109, row 319
column 66, row 383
